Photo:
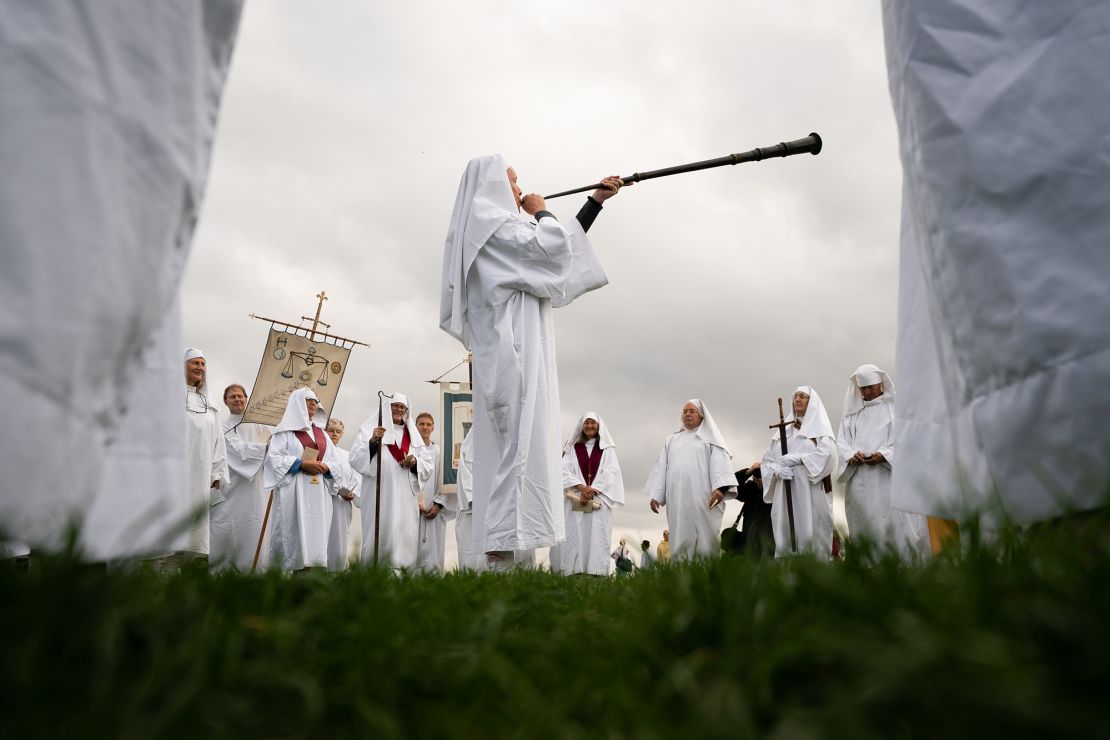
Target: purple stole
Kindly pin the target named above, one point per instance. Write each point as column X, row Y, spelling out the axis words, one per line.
column 588, row 464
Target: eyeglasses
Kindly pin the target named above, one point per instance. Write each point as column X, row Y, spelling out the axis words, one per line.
column 202, row 400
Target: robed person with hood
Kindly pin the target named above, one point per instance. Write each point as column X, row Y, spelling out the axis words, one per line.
column 298, row 469
column 593, row 486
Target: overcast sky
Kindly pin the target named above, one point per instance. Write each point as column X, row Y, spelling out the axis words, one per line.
column 345, row 128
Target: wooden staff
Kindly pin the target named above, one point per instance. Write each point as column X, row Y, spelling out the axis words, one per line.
column 378, row 483
column 781, row 426
column 265, row 521
column 811, row 144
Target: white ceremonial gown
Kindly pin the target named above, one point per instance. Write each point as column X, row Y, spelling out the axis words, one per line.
column 398, row 534
column 469, row 559
column 867, row 487
column 302, row 503
column 108, row 115
column 692, row 465
column 206, row 458
column 588, row 533
column 237, row 520
column 432, row 546
column 502, row 276
column 1003, row 338
column 815, row 444
column 342, row 511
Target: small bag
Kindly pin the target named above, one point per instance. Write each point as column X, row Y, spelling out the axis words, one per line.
column 624, row 564
column 733, row 539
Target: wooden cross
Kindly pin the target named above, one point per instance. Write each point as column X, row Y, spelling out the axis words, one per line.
column 316, row 321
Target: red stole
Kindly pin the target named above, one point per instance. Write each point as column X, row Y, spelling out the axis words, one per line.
column 320, row 444
column 399, row 453
column 588, row 464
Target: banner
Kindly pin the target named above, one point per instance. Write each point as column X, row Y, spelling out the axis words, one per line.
column 457, row 412
column 291, row 361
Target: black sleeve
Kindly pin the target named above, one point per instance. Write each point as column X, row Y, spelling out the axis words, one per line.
column 588, row 213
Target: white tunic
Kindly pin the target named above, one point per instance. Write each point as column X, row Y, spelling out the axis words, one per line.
column 398, row 534
column 342, row 510
column 109, row 113
column 302, row 507
column 1003, row 338
column 812, row 506
column 517, row 473
column 464, row 524
column 586, row 547
column 432, row 546
column 237, row 521
column 206, row 458
column 684, row 476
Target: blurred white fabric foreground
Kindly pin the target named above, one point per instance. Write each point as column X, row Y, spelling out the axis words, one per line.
column 109, row 111
column 1004, row 315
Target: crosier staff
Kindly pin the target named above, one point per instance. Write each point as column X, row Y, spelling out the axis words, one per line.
column 811, row 144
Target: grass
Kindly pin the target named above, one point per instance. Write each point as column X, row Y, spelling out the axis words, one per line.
column 1011, row 638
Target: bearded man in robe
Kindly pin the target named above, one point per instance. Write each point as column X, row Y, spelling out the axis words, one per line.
column 237, row 520
column 205, row 455
column 434, row 509
column 405, row 470
column 502, row 275
column 299, row 470
column 810, row 459
column 691, row 477
column 593, row 486
column 865, row 444
column 349, row 483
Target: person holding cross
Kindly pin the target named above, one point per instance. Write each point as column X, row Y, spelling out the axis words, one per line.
column 391, row 487
column 809, row 460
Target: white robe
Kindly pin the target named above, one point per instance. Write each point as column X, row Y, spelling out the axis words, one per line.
column 342, row 511
column 516, row 277
column 109, row 113
column 1003, row 339
column 398, row 534
column 237, row 520
column 432, row 546
column 469, row 559
column 206, row 458
column 812, row 506
column 302, row 507
column 684, row 476
column 588, row 534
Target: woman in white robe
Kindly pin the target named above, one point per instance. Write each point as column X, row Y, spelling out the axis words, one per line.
column 302, row 500
column 435, row 511
column 502, row 275
column 865, row 446
column 348, row 485
column 404, row 471
column 237, row 521
column 205, row 455
column 691, row 478
column 591, row 491
column 810, row 459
